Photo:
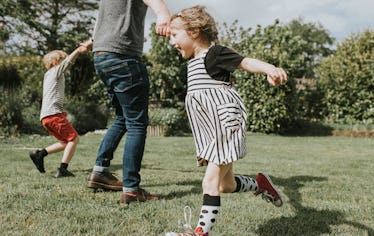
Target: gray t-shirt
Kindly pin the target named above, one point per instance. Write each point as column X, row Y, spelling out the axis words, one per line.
column 120, row 27
column 54, row 89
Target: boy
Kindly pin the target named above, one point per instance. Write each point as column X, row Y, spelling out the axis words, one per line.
column 52, row 116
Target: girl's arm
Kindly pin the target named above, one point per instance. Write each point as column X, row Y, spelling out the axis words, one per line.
column 275, row 75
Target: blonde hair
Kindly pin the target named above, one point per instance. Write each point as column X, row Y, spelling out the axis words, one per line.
column 198, row 18
column 53, row 58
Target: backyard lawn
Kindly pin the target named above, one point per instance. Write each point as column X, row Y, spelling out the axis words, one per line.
column 326, row 183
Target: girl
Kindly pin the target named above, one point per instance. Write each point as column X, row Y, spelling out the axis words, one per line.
column 216, row 112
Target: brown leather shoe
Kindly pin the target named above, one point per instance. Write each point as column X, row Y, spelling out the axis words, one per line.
column 140, row 196
column 104, row 180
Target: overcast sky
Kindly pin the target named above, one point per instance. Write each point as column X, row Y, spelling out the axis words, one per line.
column 340, row 17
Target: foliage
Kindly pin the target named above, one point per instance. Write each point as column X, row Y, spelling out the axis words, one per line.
column 9, row 77
column 275, row 109
column 10, row 114
column 44, row 25
column 347, row 80
column 168, row 72
column 313, row 44
column 20, row 88
column 269, row 108
column 86, row 116
column 174, row 121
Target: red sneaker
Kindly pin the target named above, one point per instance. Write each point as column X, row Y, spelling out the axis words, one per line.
column 199, row 232
column 188, row 232
column 268, row 190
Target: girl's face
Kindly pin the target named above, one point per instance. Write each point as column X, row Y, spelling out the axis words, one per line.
column 181, row 39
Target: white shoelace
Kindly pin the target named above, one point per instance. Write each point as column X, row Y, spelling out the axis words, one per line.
column 187, row 212
column 187, row 228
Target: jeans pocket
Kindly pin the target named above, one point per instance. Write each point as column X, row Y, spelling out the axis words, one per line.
column 122, row 85
column 230, row 116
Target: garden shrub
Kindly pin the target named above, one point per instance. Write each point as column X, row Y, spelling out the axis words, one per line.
column 10, row 105
column 86, row 116
column 347, row 81
column 174, row 121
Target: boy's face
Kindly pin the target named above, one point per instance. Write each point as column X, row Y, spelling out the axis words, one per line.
column 181, row 39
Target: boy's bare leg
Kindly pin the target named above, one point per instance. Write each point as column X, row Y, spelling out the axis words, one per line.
column 69, row 150
column 56, row 147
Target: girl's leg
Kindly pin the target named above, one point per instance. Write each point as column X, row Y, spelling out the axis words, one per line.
column 261, row 185
column 237, row 183
column 211, row 199
column 228, row 183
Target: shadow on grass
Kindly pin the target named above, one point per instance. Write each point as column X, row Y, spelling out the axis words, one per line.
column 307, row 221
column 195, row 189
column 307, row 128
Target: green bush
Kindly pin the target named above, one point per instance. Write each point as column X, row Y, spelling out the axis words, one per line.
column 30, row 120
column 10, row 105
column 270, row 109
column 86, row 116
column 10, row 115
column 347, row 80
column 174, row 121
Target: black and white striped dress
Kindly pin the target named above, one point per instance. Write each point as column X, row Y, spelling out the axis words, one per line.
column 217, row 116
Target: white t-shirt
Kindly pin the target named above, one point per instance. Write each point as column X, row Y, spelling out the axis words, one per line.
column 54, row 89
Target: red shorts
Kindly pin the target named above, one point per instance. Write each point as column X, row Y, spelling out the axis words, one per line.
column 58, row 126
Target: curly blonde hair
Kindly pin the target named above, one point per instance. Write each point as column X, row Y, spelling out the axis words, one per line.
column 198, row 18
column 54, row 58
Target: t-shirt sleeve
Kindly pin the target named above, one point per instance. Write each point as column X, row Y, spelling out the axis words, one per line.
column 220, row 61
column 228, row 59
column 63, row 67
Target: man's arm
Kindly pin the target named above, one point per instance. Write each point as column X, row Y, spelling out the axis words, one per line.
column 163, row 16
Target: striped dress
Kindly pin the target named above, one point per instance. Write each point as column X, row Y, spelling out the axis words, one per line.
column 217, row 116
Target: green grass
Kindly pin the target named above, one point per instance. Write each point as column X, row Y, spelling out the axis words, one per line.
column 327, row 184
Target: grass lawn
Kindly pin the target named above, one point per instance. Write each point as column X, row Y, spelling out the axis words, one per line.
column 327, row 185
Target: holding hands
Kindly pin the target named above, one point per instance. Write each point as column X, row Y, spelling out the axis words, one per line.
column 85, row 46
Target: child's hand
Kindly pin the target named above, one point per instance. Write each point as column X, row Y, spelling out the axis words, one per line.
column 82, row 49
column 277, row 76
column 87, row 44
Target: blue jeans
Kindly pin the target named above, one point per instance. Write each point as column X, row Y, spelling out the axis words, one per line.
column 127, row 83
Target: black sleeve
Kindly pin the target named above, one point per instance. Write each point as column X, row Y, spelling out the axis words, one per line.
column 220, row 61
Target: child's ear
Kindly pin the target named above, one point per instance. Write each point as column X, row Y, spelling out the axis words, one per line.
column 56, row 62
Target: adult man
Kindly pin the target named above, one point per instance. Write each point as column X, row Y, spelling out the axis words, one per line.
column 118, row 45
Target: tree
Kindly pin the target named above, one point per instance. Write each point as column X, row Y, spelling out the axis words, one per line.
column 45, row 25
column 315, row 44
column 347, row 80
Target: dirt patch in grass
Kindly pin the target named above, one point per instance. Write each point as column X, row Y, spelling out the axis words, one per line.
column 353, row 133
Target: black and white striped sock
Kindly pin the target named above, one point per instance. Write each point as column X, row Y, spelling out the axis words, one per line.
column 209, row 212
column 245, row 184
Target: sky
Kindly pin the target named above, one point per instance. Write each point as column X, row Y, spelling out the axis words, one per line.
column 340, row 18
